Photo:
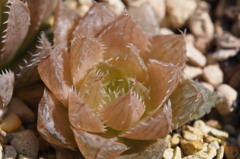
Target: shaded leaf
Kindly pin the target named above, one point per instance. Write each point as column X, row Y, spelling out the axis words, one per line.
column 186, row 100
column 6, row 88
column 64, row 24
column 17, row 26
column 53, row 123
column 96, row 147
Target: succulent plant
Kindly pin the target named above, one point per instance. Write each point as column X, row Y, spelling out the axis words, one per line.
column 111, row 86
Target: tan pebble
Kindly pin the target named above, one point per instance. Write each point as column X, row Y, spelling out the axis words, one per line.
column 213, row 123
column 175, row 140
column 190, row 136
column 165, row 31
column 220, row 153
column 1, row 152
column 179, row 12
column 207, row 86
column 168, row 153
column 200, row 125
column 210, row 139
column 212, row 149
column 191, row 147
column 223, row 54
column 213, row 75
column 11, row 123
column 26, row 143
column 195, row 131
column 192, row 72
column 189, row 38
column 10, row 152
column 229, row 95
column 20, row 156
column 177, row 153
column 116, row 6
column 22, row 110
column 195, row 57
column 202, row 44
column 218, row 133
column 201, row 24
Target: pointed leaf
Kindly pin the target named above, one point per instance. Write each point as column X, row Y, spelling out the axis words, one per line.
column 55, row 73
column 186, row 100
column 169, row 49
column 123, row 31
column 163, row 79
column 6, row 88
column 96, row 147
column 94, row 21
column 26, row 73
column 82, row 117
column 53, row 123
column 17, row 26
column 84, row 54
column 65, row 22
column 123, row 112
column 153, row 126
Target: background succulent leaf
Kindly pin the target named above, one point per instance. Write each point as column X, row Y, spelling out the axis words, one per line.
column 53, row 122
column 65, row 21
column 186, row 100
column 6, row 87
column 26, row 72
column 17, row 26
column 98, row 18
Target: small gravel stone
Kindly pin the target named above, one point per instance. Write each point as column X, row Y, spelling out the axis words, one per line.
column 26, row 143
column 210, row 139
column 195, row 56
column 229, row 95
column 20, row 156
column 165, row 31
column 175, row 140
column 177, row 153
column 220, row 153
column 213, row 75
column 192, row 72
column 190, row 136
column 168, row 153
column 11, row 123
column 191, row 147
column 207, row 86
column 10, row 152
column 116, row 6
column 223, row 54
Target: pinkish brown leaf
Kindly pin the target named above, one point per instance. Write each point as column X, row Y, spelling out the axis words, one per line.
column 96, row 147
column 82, row 117
column 26, row 73
column 6, row 88
column 55, row 73
column 163, row 79
column 169, row 49
column 124, row 31
column 53, row 123
column 186, row 100
column 94, row 21
column 17, row 27
column 84, row 54
column 153, row 126
column 123, row 112
column 65, row 22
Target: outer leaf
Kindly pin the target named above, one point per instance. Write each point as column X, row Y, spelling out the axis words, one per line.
column 17, row 26
column 82, row 117
column 55, row 73
column 169, row 49
column 27, row 73
column 96, row 147
column 84, row 54
column 123, row 112
column 163, row 79
column 65, row 22
column 153, row 126
column 94, row 21
column 6, row 88
column 125, row 31
column 53, row 123
column 186, row 100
